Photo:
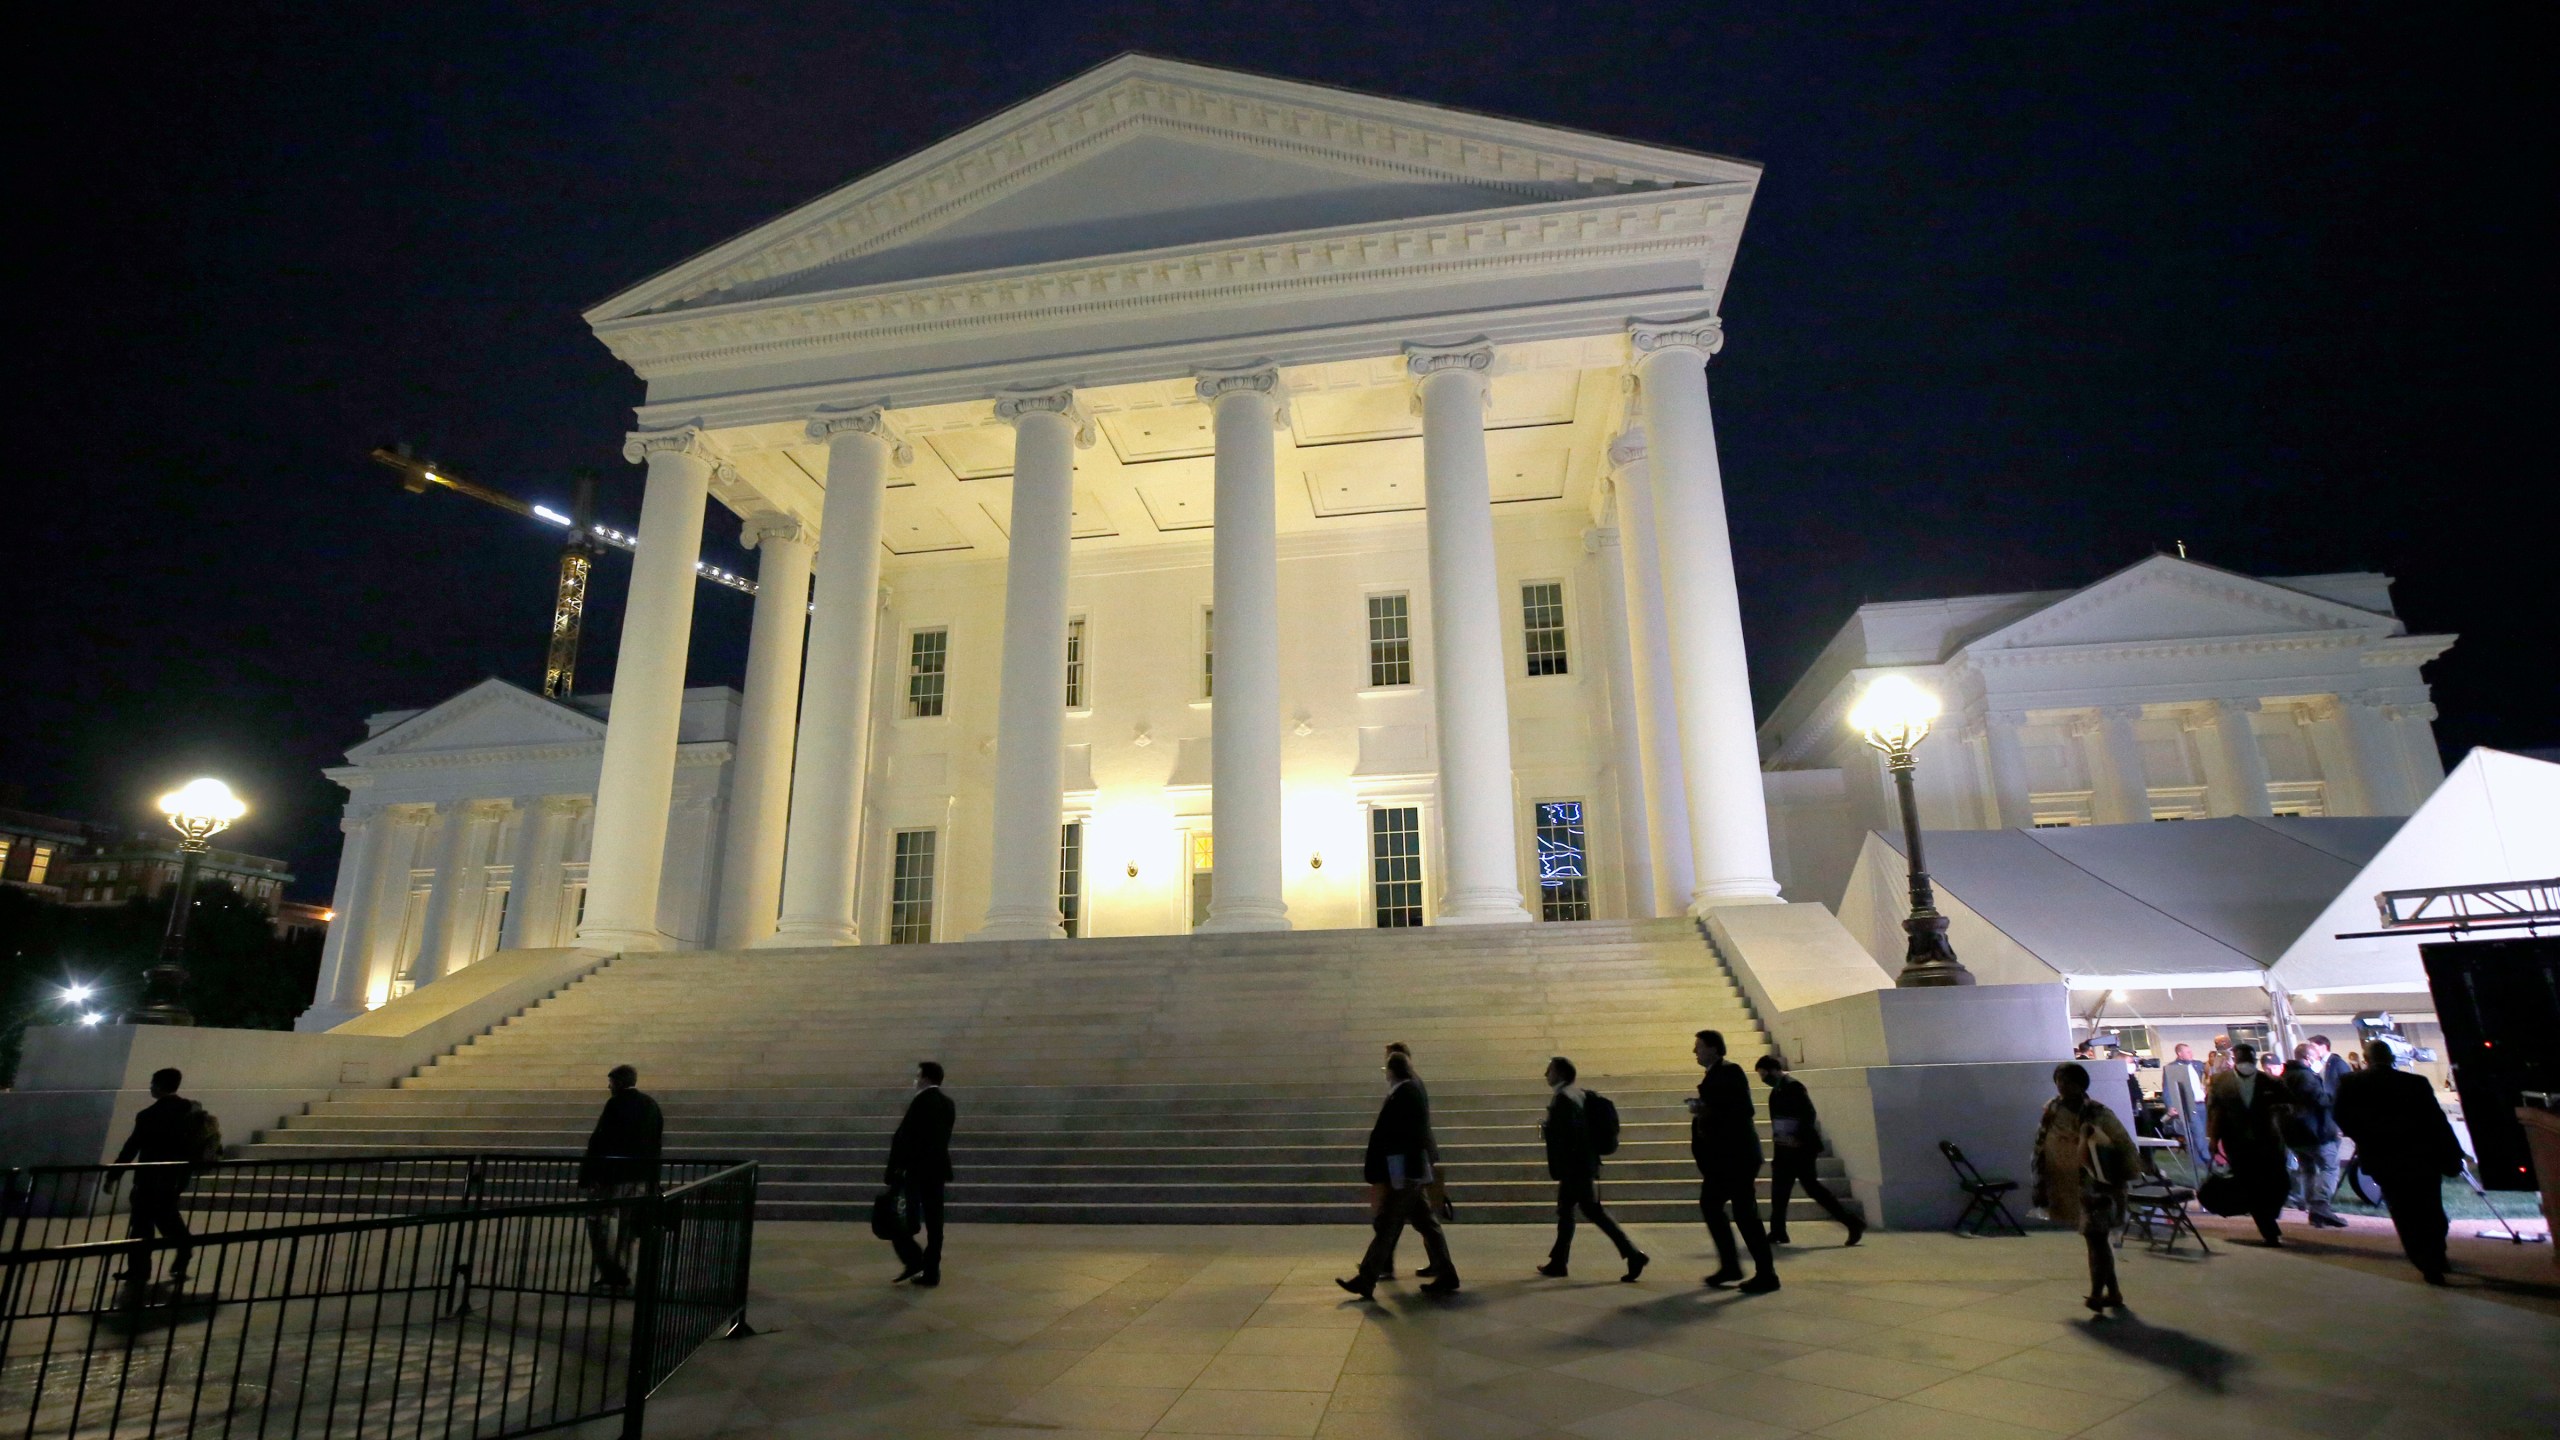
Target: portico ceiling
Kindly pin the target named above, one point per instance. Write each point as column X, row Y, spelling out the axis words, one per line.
column 1349, row 456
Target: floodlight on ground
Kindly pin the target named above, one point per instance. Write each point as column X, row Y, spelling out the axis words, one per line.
column 75, row 992
column 1894, row 716
column 91, row 1017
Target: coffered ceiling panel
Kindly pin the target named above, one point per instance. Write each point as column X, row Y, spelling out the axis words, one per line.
column 912, row 525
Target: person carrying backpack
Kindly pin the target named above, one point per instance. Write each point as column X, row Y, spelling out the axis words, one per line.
column 1797, row 1133
column 1580, row 1128
column 171, row 1129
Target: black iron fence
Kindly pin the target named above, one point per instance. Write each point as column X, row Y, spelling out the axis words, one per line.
column 450, row 1297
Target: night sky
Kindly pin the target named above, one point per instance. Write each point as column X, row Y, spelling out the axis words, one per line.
column 2028, row 293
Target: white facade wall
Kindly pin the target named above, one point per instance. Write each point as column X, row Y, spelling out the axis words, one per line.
column 1137, row 761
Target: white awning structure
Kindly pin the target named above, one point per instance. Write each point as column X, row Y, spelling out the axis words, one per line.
column 2203, row 904
column 2496, row 818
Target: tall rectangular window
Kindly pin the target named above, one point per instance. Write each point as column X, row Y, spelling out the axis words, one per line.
column 1075, row 663
column 1564, row 874
column 1070, row 875
column 1208, row 652
column 928, row 661
column 1395, row 866
column 1390, row 641
column 911, row 888
column 1204, row 876
column 40, row 861
column 1542, row 625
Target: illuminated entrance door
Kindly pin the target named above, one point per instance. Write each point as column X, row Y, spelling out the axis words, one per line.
column 1203, row 854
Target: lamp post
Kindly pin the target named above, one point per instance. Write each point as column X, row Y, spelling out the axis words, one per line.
column 1894, row 716
column 198, row 811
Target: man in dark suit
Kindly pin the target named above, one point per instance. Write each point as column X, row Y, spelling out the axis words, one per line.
column 920, row 1166
column 621, row 1163
column 1573, row 1162
column 1724, row 1139
column 2404, row 1142
column 1796, row 1139
column 2312, row 1135
column 170, row 1129
column 2244, row 1112
column 1397, row 1166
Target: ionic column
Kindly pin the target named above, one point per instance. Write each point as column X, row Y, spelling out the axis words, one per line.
column 533, row 905
column 1710, row 675
column 339, row 997
column 1626, row 741
column 2378, row 770
column 1469, row 689
column 1666, row 783
column 818, row 888
column 1244, row 721
column 1031, row 705
column 2242, row 756
column 460, row 822
column 2128, row 792
column 2009, row 783
column 760, row 778
column 639, row 772
column 2421, row 761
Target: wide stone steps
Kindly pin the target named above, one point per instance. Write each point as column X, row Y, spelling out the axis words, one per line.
column 1169, row 1079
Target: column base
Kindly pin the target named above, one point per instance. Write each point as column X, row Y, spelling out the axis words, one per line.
column 599, row 937
column 1494, row 909
column 808, row 936
column 1734, row 892
column 1260, row 918
column 322, row 1017
column 1020, row 927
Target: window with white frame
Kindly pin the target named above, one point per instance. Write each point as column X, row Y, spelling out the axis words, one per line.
column 1564, row 870
column 911, row 888
column 1075, row 664
column 1542, row 626
column 1071, row 876
column 1390, row 641
column 1395, row 866
column 1208, row 652
column 928, row 665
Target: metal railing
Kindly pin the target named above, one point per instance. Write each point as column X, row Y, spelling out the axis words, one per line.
column 401, row 1296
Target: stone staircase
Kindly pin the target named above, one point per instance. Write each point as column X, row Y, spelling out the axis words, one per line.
column 1162, row 1079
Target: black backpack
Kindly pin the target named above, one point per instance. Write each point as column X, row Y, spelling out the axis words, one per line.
column 1600, row 1118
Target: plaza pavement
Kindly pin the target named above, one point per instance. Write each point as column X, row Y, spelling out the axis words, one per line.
column 1084, row 1332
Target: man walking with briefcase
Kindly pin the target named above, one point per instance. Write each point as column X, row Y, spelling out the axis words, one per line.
column 918, row 1170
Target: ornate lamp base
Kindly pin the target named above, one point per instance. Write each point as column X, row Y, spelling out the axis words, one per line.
column 1930, row 960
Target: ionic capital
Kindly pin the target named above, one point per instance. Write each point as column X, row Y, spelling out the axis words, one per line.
column 871, row 420
column 757, row 529
column 1702, row 333
column 1013, row 405
column 1473, row 357
column 1264, row 380
column 1628, row 449
column 682, row 440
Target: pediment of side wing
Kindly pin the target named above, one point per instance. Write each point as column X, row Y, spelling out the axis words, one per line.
column 1146, row 154
column 489, row 716
column 2168, row 599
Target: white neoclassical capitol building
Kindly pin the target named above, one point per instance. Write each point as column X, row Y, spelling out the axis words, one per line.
column 1194, row 501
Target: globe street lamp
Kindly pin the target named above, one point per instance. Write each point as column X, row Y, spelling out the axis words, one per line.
column 198, row 811
column 1894, row 715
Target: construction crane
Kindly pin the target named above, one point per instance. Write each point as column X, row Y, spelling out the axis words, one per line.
column 587, row 538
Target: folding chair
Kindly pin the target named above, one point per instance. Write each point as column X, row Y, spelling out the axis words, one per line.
column 1986, row 1201
column 2158, row 1209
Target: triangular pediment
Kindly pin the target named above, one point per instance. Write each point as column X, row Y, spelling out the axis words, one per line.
column 2166, row 598
column 1146, row 154
column 492, row 715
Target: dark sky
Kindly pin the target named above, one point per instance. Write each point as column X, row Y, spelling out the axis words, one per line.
column 2028, row 293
